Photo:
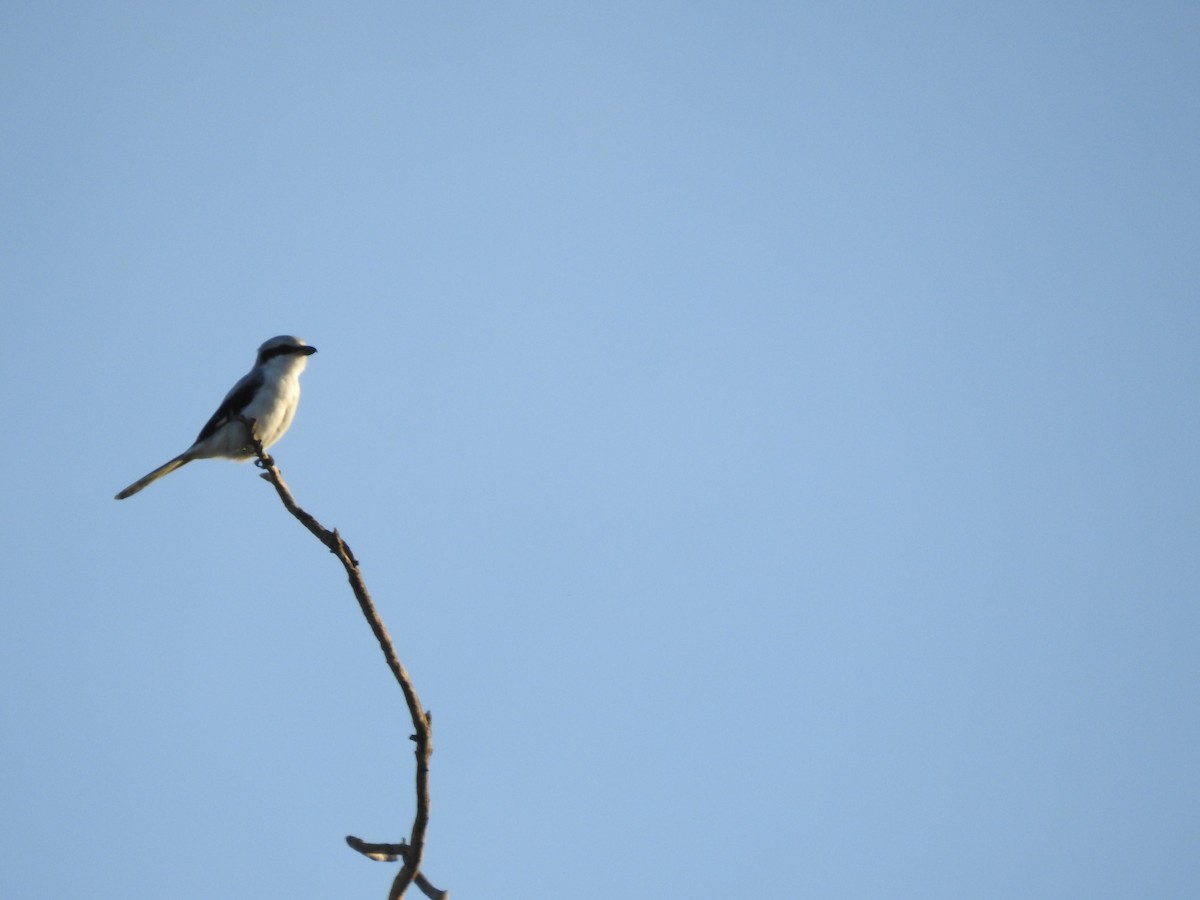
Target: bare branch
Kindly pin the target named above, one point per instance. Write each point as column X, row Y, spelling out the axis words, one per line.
column 413, row 851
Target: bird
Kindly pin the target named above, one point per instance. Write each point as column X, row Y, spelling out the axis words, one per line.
column 268, row 394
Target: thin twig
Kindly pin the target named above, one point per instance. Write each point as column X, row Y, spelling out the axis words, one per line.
column 422, row 721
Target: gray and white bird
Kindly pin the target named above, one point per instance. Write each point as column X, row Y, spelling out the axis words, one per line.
column 268, row 394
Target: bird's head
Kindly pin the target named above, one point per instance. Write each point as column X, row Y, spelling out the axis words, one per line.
column 285, row 346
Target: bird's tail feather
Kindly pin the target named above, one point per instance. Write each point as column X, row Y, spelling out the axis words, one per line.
column 164, row 469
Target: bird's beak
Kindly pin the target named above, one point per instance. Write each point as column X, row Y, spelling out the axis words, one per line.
column 308, row 351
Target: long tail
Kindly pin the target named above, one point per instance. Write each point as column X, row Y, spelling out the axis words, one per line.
column 164, row 469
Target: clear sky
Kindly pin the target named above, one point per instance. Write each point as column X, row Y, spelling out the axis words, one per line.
column 769, row 431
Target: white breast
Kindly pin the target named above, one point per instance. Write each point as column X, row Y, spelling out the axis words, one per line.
column 274, row 407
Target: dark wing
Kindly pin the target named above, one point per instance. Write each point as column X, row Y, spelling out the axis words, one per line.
column 233, row 404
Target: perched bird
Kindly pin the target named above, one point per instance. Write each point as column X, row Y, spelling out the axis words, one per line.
column 268, row 394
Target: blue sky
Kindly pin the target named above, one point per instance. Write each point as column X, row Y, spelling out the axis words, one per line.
column 769, row 432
